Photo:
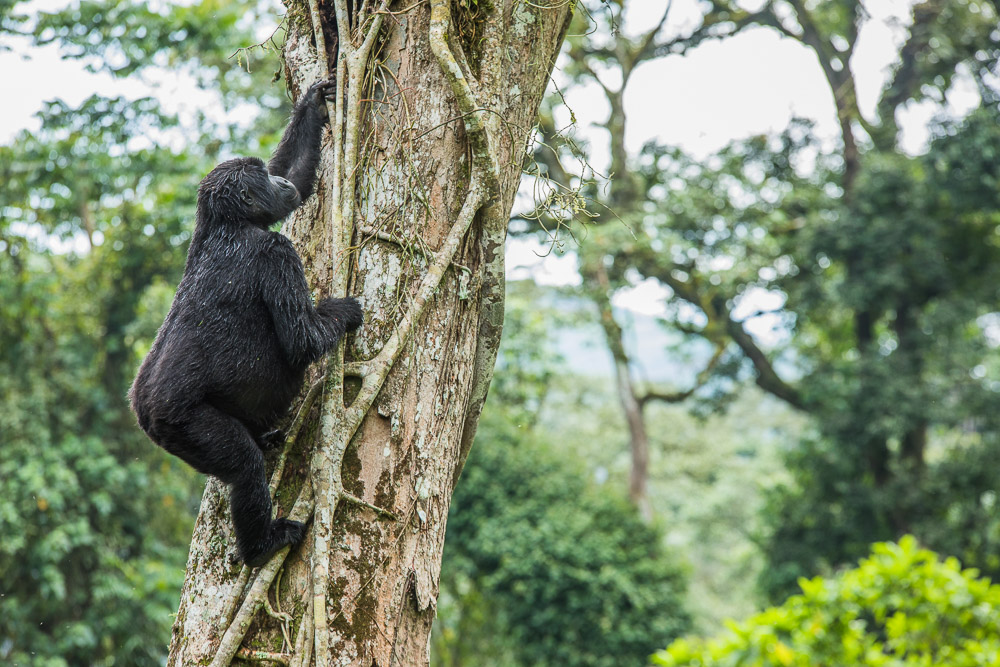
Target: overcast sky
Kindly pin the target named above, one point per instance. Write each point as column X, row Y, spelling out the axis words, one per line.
column 746, row 85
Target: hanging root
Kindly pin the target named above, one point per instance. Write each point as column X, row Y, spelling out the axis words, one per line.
column 254, row 600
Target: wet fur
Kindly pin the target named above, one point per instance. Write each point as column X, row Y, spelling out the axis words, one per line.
column 233, row 351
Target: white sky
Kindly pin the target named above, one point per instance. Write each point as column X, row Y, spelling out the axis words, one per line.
column 751, row 84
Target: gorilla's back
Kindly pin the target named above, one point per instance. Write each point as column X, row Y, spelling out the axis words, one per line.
column 218, row 342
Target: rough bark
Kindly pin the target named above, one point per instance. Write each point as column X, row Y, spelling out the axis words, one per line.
column 433, row 144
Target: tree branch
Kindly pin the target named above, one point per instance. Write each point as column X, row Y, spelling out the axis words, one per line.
column 720, row 322
column 841, row 83
column 905, row 81
column 647, row 42
column 700, row 380
column 264, row 656
column 767, row 378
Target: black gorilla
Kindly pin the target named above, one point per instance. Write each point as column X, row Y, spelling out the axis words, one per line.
column 233, row 350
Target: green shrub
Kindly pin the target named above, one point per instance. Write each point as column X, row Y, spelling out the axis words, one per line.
column 542, row 567
column 903, row 606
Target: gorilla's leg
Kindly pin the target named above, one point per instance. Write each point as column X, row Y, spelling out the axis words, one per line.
column 214, row 443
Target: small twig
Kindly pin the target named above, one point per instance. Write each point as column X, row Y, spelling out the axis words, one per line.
column 370, row 232
column 260, row 45
column 405, row 9
column 237, row 593
column 275, row 612
column 304, row 639
column 248, row 654
column 292, row 434
column 363, row 503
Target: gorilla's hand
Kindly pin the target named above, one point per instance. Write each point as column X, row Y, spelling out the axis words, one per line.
column 321, row 91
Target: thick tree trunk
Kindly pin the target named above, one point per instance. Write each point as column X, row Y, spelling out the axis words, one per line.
column 362, row 588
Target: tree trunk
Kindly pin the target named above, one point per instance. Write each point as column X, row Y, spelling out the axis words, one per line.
column 416, row 185
column 596, row 276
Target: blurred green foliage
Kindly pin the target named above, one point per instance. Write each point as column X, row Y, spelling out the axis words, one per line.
column 95, row 213
column 91, row 571
column 547, row 568
column 901, row 607
column 892, row 311
column 543, row 566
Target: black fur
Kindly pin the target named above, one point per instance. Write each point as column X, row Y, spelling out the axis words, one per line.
column 233, row 350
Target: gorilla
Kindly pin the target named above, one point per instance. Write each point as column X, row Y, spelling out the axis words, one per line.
column 232, row 353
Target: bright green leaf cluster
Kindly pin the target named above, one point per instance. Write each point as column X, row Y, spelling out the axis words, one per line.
column 901, row 607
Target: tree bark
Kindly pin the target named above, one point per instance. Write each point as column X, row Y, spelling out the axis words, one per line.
column 438, row 143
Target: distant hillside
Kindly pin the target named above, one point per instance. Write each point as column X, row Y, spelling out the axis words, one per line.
column 580, row 340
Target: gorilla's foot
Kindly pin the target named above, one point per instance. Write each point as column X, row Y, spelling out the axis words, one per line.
column 271, row 440
column 281, row 533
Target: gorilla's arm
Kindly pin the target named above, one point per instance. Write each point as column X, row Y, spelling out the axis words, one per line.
column 297, row 155
column 305, row 333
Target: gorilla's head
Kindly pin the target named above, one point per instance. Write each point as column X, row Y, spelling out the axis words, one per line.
column 242, row 191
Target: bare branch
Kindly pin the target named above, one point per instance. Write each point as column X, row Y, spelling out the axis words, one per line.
column 767, row 378
column 292, row 433
column 681, row 396
column 593, row 75
column 904, row 81
column 720, row 321
column 647, row 41
column 841, row 83
column 264, row 656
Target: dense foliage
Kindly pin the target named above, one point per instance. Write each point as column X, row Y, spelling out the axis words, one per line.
column 87, row 578
column 95, row 213
column 903, row 606
column 566, row 572
column 848, row 279
column 892, row 305
column 95, row 524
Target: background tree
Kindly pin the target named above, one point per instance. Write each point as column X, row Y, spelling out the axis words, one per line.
column 542, row 564
column 861, row 261
column 602, row 53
